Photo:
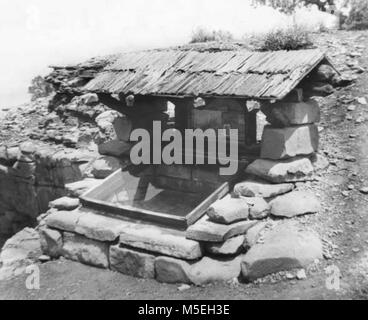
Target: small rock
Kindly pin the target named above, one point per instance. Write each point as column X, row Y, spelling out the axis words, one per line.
column 350, row 159
column 364, row 190
column 360, row 120
column 345, row 193
column 44, row 258
column 355, row 250
column 362, row 100
column 301, row 275
column 351, row 187
column 184, row 287
column 352, row 107
column 290, row 276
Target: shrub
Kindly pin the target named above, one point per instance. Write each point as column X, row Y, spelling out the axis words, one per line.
column 39, row 88
column 358, row 15
column 293, row 38
column 204, row 35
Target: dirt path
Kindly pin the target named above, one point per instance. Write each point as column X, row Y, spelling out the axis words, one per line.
column 342, row 225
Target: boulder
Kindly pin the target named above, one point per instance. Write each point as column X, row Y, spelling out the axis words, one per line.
column 171, row 270
column 65, row 203
column 229, row 247
column 208, row 231
column 228, row 210
column 18, row 252
column 87, row 251
column 105, row 166
column 286, row 114
column 285, row 247
column 160, row 240
column 263, row 189
column 115, row 148
column 51, row 242
column 258, row 208
column 133, row 263
column 292, row 170
column 284, row 143
column 294, row 204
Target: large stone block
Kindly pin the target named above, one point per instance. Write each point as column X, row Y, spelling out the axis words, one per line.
column 287, row 246
column 283, row 143
column 285, row 114
column 115, row 148
column 160, row 240
column 132, row 263
column 84, row 250
column 291, row 170
column 171, row 270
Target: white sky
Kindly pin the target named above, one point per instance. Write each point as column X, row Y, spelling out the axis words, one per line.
column 37, row 33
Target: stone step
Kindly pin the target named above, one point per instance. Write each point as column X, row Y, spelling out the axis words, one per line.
column 138, row 235
column 160, row 240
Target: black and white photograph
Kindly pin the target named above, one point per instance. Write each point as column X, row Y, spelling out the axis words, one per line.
column 175, row 152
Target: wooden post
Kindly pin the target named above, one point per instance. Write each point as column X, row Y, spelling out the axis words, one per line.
column 250, row 127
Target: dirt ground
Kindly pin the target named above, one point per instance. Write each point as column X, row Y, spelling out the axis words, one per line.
column 342, row 224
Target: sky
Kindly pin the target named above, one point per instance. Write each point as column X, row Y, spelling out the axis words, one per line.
column 37, row 33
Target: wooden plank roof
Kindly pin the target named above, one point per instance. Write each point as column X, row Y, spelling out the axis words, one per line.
column 239, row 73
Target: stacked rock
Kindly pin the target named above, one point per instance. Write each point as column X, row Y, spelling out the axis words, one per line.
column 222, row 231
column 288, row 142
column 288, row 150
